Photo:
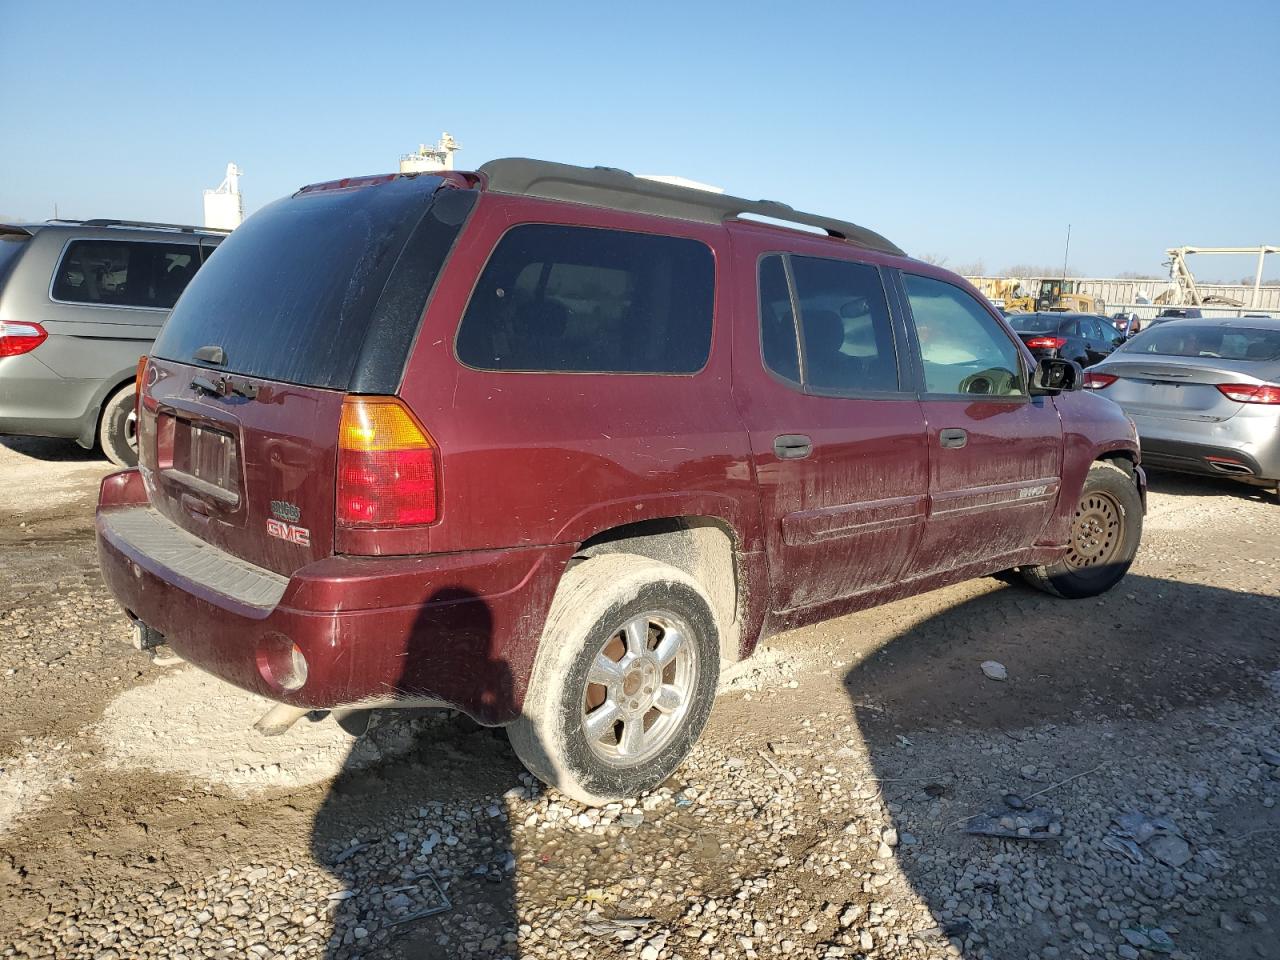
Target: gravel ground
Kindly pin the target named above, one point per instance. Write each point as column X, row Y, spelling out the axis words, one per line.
column 841, row 803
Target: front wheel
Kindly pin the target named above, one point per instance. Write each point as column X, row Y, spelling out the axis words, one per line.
column 1105, row 532
column 624, row 679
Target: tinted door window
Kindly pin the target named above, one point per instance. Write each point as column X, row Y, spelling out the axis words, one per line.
column 778, row 341
column 846, row 340
column 963, row 349
column 125, row 273
column 581, row 299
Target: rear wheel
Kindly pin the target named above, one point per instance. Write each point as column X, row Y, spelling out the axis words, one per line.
column 624, row 680
column 118, row 430
column 1105, row 532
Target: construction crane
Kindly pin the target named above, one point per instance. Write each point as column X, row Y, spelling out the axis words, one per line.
column 1184, row 283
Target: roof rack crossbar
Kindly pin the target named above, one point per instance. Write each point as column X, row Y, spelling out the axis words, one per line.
column 620, row 190
column 145, row 224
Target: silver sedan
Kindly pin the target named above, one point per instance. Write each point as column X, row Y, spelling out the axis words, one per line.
column 1204, row 395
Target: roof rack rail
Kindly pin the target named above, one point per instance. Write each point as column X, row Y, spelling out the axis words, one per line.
column 145, row 224
column 620, row 190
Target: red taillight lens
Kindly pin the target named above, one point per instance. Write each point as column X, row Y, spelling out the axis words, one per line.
column 18, row 338
column 1099, row 381
column 387, row 466
column 139, row 381
column 1250, row 392
column 1047, row 343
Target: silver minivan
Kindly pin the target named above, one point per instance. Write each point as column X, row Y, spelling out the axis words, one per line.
column 80, row 302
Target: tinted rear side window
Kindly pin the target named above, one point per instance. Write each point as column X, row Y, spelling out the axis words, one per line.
column 290, row 295
column 125, row 273
column 777, row 321
column 846, row 335
column 587, row 300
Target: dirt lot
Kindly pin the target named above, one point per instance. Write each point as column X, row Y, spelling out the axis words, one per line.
column 824, row 814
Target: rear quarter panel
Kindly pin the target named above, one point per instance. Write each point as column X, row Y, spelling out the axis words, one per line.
column 542, row 458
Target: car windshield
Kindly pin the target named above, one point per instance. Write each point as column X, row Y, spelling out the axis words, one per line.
column 1034, row 322
column 1207, row 340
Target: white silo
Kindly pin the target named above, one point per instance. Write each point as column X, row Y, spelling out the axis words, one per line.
column 224, row 206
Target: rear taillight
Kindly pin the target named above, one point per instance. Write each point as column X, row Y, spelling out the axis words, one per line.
column 1099, row 381
column 1047, row 343
column 388, row 472
column 17, row 338
column 139, row 381
column 1250, row 392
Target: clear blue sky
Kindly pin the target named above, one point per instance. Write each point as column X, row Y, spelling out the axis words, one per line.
column 965, row 131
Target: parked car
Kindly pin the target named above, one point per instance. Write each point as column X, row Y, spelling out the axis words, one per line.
column 549, row 444
column 1081, row 337
column 1204, row 394
column 1176, row 313
column 1127, row 324
column 80, row 302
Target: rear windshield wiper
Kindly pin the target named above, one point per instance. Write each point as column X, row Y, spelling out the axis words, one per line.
column 211, row 353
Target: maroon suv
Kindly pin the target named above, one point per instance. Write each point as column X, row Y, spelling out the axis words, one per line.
column 549, row 444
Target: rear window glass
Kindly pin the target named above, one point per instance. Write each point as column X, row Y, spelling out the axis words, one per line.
column 586, row 300
column 1211, row 341
column 1034, row 322
column 290, row 294
column 125, row 273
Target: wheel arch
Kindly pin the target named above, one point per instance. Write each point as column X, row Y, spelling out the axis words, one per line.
column 706, row 548
column 97, row 408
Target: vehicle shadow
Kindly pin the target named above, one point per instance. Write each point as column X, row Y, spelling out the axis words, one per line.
column 1194, row 485
column 419, row 846
column 51, row 449
column 1147, row 649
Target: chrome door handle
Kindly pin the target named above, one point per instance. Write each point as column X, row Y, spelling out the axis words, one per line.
column 953, row 438
column 792, row 446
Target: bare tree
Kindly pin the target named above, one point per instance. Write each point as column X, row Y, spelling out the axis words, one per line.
column 975, row 269
column 1027, row 270
column 933, row 258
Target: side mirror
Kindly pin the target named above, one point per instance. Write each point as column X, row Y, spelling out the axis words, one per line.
column 1053, row 375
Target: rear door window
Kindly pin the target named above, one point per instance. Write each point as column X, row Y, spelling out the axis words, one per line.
column 559, row 298
column 845, row 341
column 125, row 273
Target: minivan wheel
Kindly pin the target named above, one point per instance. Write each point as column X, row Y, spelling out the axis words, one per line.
column 624, row 680
column 1105, row 532
column 118, row 430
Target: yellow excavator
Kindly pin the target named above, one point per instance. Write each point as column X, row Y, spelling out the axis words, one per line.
column 1061, row 295
column 1011, row 295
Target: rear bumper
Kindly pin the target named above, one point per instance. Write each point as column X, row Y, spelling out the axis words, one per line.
column 1202, row 459
column 461, row 628
column 1245, row 445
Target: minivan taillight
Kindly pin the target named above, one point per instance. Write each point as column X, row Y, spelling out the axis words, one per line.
column 18, row 338
column 388, row 472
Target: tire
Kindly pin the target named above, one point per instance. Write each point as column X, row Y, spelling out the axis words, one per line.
column 1105, row 533
column 117, row 431
column 600, row 762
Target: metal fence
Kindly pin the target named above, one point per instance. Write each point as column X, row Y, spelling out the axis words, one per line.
column 1147, row 311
